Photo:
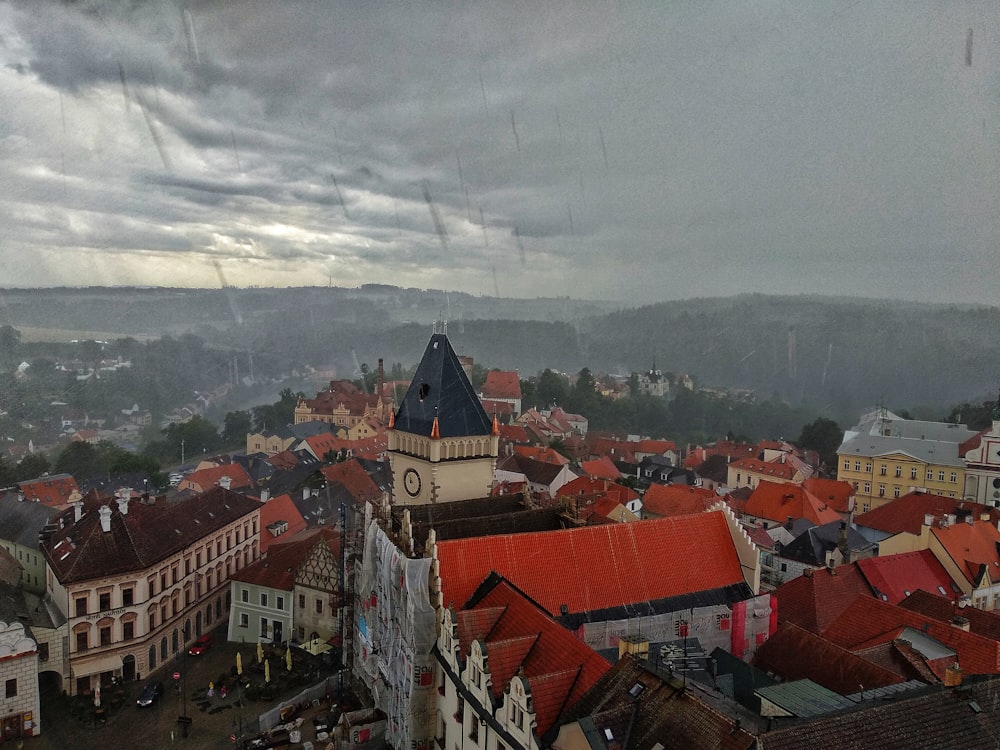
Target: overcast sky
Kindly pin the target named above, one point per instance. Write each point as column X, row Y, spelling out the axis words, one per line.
column 616, row 150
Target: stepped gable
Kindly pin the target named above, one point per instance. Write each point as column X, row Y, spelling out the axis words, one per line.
column 440, row 389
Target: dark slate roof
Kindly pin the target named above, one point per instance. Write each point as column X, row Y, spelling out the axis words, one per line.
column 942, row 718
column 812, row 546
column 81, row 550
column 21, row 521
column 441, row 389
column 107, row 485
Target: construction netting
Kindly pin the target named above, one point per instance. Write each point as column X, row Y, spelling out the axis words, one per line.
column 395, row 632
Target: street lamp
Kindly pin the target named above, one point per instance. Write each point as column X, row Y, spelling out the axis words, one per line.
column 183, row 720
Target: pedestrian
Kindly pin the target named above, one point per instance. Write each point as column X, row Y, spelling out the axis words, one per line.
column 223, row 692
column 211, row 690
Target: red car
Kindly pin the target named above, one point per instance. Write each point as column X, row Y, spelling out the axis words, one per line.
column 201, row 645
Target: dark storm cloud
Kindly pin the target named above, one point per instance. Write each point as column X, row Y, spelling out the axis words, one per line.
column 772, row 147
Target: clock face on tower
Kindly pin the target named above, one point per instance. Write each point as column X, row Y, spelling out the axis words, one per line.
column 411, row 482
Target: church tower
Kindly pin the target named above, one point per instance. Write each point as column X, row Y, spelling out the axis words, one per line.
column 442, row 445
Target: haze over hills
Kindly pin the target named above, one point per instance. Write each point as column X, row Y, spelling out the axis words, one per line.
column 837, row 355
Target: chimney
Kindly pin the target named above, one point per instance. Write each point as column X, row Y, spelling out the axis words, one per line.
column 962, row 623
column 952, row 518
column 225, row 482
column 788, row 522
column 971, row 519
column 807, row 572
column 306, row 493
column 928, row 519
column 845, row 550
column 985, row 517
column 105, row 514
column 265, row 495
column 77, row 510
column 953, row 676
column 123, row 497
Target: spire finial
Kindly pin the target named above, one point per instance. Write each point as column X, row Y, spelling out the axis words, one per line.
column 435, row 430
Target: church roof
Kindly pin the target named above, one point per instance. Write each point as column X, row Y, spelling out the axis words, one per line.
column 441, row 389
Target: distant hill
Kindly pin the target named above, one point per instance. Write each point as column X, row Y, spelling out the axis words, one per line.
column 838, row 356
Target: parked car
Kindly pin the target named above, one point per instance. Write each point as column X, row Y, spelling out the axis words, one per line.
column 151, row 692
column 201, row 645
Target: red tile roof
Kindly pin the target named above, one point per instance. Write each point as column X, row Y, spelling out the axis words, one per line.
column 778, row 502
column 352, row 476
column 676, row 500
column 656, row 447
column 279, row 568
column 896, row 576
column 601, row 468
column 558, row 666
column 775, row 469
column 588, row 568
column 906, row 513
column 513, row 433
column 975, row 549
column 537, row 453
column 868, row 621
column 794, row 653
column 280, row 508
column 51, row 490
column 816, row 600
column 591, row 488
column 204, row 479
column 833, row 492
column 982, row 622
column 502, row 384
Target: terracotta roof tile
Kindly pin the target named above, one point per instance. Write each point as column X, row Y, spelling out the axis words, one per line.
column 815, row 601
column 276, row 510
column 600, row 468
column 778, row 502
column 676, row 500
column 502, row 384
column 53, row 490
column 982, row 622
column 974, row 547
column 906, row 513
column 894, row 577
column 582, row 568
column 832, row 492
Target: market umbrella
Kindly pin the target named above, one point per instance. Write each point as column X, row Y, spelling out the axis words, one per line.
column 239, row 663
column 288, row 657
column 267, row 671
column 260, row 652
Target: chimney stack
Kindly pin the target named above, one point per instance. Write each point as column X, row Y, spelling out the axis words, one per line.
column 105, row 514
column 123, row 496
column 953, row 676
column 265, row 495
column 962, row 623
column 225, row 482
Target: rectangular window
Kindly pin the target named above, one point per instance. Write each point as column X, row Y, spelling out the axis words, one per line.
column 81, row 606
column 895, row 491
column 106, row 635
column 263, row 627
column 81, row 641
column 953, row 477
column 940, row 476
column 847, row 465
column 868, row 467
column 244, row 620
column 187, row 566
column 913, row 472
column 11, row 689
column 881, row 490
column 280, row 603
column 163, row 581
column 882, row 469
column 128, row 597
column 930, row 475
column 244, row 596
column 152, row 620
column 899, row 471
column 263, row 600
column 43, row 652
column 474, row 728
column 302, row 601
column 868, row 488
column 517, row 716
column 128, row 630
column 460, row 711
column 105, row 601
column 319, row 606
column 197, row 560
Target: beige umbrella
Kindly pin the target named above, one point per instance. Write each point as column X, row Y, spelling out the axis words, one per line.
column 267, row 671
column 239, row 663
column 260, row 652
column 288, row 657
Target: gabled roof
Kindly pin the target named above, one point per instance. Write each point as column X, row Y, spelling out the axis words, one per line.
column 779, row 502
column 21, row 520
column 276, row 510
column 279, row 568
column 659, row 447
column 591, row 488
column 982, row 622
column 667, row 713
column 523, row 641
column 813, row 545
column 352, row 476
column 536, row 472
column 816, row 600
column 975, row 549
column 541, row 453
column 895, row 577
column 677, row 500
column 82, row 550
column 513, row 433
column 906, row 513
column 583, row 568
column 794, row 653
column 601, row 468
column 502, row 384
column 778, row 469
column 868, row 621
column 440, row 390
column 53, row 490
column 832, row 492
column 203, row 479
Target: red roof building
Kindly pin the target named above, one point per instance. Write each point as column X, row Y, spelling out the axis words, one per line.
column 776, row 503
column 895, row 577
column 601, row 468
column 230, row 476
column 663, row 500
column 53, row 490
column 279, row 520
column 815, row 600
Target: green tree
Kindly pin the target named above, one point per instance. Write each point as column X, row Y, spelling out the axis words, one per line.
column 31, row 466
column 81, row 460
column 823, row 436
column 236, row 426
column 552, row 389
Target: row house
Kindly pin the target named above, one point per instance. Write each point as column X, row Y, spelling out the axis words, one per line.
column 138, row 582
column 292, row 594
column 342, row 404
column 502, row 387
